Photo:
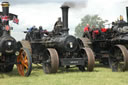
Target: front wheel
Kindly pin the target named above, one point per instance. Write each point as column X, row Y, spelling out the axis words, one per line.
column 51, row 61
column 24, row 61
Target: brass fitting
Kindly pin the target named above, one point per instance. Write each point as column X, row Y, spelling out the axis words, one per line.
column 5, row 4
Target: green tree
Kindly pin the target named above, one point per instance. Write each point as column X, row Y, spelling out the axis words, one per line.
column 93, row 20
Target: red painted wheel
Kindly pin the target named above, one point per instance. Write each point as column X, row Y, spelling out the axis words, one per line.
column 24, row 61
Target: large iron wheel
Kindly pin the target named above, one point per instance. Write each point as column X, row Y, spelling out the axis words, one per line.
column 51, row 61
column 118, row 59
column 85, row 42
column 88, row 55
column 24, row 61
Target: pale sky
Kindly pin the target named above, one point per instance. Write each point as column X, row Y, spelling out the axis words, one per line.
column 46, row 12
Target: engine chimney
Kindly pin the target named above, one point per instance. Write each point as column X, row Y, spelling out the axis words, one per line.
column 127, row 13
column 65, row 18
column 5, row 14
column 5, row 8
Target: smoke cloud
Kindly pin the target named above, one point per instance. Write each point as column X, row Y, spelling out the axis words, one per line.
column 17, row 2
column 71, row 3
column 76, row 4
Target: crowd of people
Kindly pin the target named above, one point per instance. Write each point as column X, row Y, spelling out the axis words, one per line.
column 89, row 32
column 38, row 33
column 93, row 32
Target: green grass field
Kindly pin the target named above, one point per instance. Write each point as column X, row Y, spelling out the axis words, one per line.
column 100, row 76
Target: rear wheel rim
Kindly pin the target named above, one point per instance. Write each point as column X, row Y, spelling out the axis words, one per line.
column 91, row 59
column 24, row 61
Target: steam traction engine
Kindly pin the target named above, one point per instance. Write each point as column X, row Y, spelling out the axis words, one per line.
column 12, row 52
column 54, row 50
column 112, row 45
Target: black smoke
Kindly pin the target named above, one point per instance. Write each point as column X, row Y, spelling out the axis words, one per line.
column 71, row 3
column 76, row 4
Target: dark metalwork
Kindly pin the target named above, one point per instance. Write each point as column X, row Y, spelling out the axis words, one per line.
column 65, row 18
column 127, row 13
column 51, row 61
column 58, row 49
column 110, row 47
column 10, row 49
column 119, row 58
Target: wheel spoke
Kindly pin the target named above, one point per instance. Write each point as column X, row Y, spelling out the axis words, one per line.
column 24, row 68
column 21, row 69
column 119, row 58
column 25, row 58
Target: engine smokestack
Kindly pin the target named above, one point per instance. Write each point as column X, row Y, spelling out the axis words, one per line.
column 5, row 9
column 5, row 16
column 65, row 17
column 127, row 13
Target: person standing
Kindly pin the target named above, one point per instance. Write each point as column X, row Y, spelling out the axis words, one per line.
column 87, row 28
column 87, row 32
column 58, row 26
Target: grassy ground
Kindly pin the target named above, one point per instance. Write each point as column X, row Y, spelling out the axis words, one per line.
column 100, row 76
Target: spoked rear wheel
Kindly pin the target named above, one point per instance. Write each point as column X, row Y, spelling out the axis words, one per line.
column 118, row 59
column 88, row 55
column 24, row 61
column 51, row 61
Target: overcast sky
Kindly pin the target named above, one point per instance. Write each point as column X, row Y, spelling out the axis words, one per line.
column 46, row 12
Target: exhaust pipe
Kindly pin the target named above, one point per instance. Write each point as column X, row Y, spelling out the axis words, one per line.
column 127, row 13
column 5, row 9
column 5, row 15
column 65, row 18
